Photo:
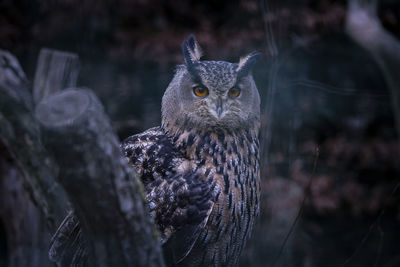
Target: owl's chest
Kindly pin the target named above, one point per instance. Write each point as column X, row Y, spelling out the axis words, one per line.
column 236, row 195
column 231, row 162
column 231, row 165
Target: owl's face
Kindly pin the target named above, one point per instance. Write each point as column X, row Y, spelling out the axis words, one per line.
column 211, row 94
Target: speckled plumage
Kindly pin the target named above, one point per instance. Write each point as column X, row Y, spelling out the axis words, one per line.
column 201, row 172
column 202, row 187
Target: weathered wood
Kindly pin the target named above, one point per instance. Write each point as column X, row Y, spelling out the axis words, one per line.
column 364, row 27
column 107, row 197
column 26, row 235
column 32, row 204
column 20, row 134
column 55, row 71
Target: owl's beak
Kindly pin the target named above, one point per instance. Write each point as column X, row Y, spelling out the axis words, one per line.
column 219, row 106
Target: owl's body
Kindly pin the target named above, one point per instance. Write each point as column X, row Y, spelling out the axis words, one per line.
column 200, row 168
column 202, row 189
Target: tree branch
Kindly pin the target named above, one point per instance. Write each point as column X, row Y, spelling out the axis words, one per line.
column 20, row 134
column 107, row 197
column 55, row 71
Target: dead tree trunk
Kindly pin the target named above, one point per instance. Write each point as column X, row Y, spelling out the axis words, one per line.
column 107, row 197
column 55, row 71
column 25, row 236
column 364, row 27
column 32, row 203
column 20, row 134
column 83, row 155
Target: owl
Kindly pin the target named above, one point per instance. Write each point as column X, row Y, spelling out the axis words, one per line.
column 200, row 168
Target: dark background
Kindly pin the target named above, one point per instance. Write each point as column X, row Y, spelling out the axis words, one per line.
column 319, row 89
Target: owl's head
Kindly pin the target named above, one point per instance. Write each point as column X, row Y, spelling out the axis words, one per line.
column 211, row 94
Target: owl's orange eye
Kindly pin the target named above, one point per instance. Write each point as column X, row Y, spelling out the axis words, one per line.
column 234, row 92
column 200, row 91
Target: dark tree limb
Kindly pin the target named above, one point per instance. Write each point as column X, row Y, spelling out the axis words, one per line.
column 364, row 27
column 26, row 236
column 32, row 204
column 20, row 134
column 107, row 197
column 55, row 71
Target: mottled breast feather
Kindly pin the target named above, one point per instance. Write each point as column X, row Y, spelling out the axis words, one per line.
column 179, row 198
column 202, row 190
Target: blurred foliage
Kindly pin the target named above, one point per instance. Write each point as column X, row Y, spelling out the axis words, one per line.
column 321, row 90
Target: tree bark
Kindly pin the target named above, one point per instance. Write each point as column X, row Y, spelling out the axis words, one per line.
column 32, row 203
column 26, row 237
column 107, row 197
column 55, row 71
column 20, row 134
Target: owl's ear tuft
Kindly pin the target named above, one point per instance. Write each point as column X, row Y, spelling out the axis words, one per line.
column 191, row 53
column 246, row 64
column 191, row 49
